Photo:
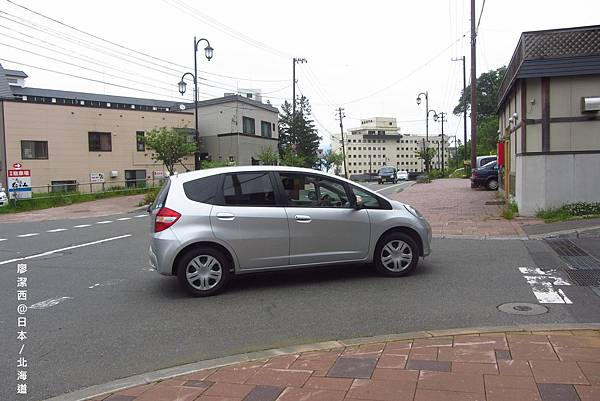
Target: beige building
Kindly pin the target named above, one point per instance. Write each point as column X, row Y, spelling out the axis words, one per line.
column 549, row 119
column 377, row 142
column 69, row 138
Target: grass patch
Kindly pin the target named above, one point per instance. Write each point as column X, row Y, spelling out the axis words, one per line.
column 54, row 199
column 510, row 210
column 579, row 210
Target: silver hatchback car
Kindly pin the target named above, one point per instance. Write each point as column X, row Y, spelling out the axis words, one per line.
column 208, row 225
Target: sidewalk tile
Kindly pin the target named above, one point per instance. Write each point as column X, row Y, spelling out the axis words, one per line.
column 398, row 347
column 229, row 390
column 328, row 383
column 496, row 342
column 557, row 372
column 321, row 361
column 503, row 355
column 280, row 377
column 424, row 354
column 281, row 361
column 135, row 391
column 440, row 395
column 356, row 368
column 575, row 341
column 264, row 393
column 119, row 397
column 464, row 382
column 525, row 337
column 592, row 371
column 514, row 368
column 365, row 389
column 170, row 393
column 512, row 394
column 520, row 382
column 586, row 332
column 467, row 353
column 530, row 350
column 216, row 398
column 392, row 361
column 199, row 375
column 588, row 393
column 434, row 366
column 304, row 394
column 433, row 342
column 395, row 374
column 554, row 333
column 469, row 367
column 578, row 354
column 197, row 384
column 236, row 373
column 558, row 392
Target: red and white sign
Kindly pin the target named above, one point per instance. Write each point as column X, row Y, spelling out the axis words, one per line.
column 19, row 183
column 17, row 166
column 19, row 173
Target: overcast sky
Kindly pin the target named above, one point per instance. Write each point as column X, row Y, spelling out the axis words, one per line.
column 372, row 58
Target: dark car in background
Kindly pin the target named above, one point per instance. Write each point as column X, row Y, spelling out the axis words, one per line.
column 386, row 174
column 485, row 176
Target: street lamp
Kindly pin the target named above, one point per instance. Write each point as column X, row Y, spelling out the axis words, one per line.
column 208, row 53
column 427, row 112
column 441, row 117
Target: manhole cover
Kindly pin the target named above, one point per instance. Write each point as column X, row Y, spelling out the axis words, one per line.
column 520, row 308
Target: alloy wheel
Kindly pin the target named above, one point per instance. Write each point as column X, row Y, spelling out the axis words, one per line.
column 396, row 255
column 203, row 272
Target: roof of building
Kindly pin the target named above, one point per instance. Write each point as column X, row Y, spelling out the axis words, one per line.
column 5, row 91
column 552, row 53
column 233, row 98
column 15, row 73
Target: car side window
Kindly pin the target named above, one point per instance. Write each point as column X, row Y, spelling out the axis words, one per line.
column 202, row 190
column 369, row 200
column 305, row 190
column 248, row 189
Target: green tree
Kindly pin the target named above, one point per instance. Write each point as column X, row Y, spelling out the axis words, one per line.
column 291, row 158
column 214, row 164
column 488, row 85
column 268, row 156
column 426, row 155
column 332, row 160
column 297, row 134
column 170, row 146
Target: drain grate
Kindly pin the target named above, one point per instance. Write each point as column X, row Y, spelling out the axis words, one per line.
column 576, row 257
column 585, row 278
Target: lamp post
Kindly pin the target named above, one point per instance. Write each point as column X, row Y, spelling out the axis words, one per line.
column 208, row 53
column 441, row 117
column 427, row 111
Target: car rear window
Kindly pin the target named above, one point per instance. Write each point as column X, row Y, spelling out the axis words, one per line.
column 387, row 170
column 202, row 190
column 161, row 197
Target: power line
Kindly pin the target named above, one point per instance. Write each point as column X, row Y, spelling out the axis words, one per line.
column 480, row 14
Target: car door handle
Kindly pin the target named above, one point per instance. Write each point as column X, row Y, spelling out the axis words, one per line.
column 302, row 218
column 225, row 216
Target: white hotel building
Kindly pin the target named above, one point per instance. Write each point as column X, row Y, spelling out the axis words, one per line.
column 378, row 142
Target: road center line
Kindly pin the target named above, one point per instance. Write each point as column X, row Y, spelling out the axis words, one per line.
column 141, row 215
column 27, row 235
column 49, row 303
column 124, row 218
column 39, row 255
column 2, row 239
column 56, row 230
column 82, row 225
column 104, row 222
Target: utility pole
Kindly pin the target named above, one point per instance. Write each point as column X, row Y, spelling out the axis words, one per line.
column 473, row 89
column 341, row 117
column 465, row 110
column 443, row 117
column 297, row 60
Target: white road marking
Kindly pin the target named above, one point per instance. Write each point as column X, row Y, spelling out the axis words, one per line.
column 141, row 215
column 82, row 225
column 39, row 255
column 2, row 239
column 28, row 235
column 104, row 222
column 109, row 282
column 56, row 230
column 391, row 186
column 49, row 303
column 542, row 284
column 124, row 218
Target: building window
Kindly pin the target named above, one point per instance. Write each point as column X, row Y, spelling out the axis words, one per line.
column 34, row 150
column 380, row 132
column 248, row 126
column 64, row 186
column 139, row 141
column 265, row 129
column 99, row 141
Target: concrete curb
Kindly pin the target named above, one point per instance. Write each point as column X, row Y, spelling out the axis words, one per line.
column 554, row 234
column 163, row 374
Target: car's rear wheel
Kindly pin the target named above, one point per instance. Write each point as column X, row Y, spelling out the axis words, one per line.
column 203, row 271
column 492, row 184
column 396, row 254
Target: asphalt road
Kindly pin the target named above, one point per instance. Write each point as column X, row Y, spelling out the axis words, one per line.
column 116, row 318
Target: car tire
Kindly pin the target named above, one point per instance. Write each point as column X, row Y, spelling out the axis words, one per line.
column 492, row 184
column 209, row 263
column 388, row 257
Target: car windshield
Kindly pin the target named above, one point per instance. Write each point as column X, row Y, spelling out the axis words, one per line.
column 386, row 170
column 490, row 164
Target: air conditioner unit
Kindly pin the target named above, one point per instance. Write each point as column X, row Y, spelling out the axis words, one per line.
column 590, row 104
column 114, row 174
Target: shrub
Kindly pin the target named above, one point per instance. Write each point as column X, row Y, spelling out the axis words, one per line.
column 510, row 210
column 150, row 196
column 423, row 179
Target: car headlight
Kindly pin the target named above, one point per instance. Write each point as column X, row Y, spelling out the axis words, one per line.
column 413, row 211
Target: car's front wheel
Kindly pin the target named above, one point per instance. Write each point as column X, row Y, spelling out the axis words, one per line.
column 396, row 254
column 203, row 271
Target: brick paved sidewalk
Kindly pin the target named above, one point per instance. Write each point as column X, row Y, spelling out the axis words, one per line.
column 506, row 366
column 453, row 208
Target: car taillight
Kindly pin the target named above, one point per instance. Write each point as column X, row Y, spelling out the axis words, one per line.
column 165, row 218
column 474, row 174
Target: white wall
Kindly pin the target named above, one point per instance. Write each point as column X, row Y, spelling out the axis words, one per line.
column 553, row 180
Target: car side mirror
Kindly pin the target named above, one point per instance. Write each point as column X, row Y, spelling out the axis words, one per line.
column 359, row 202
